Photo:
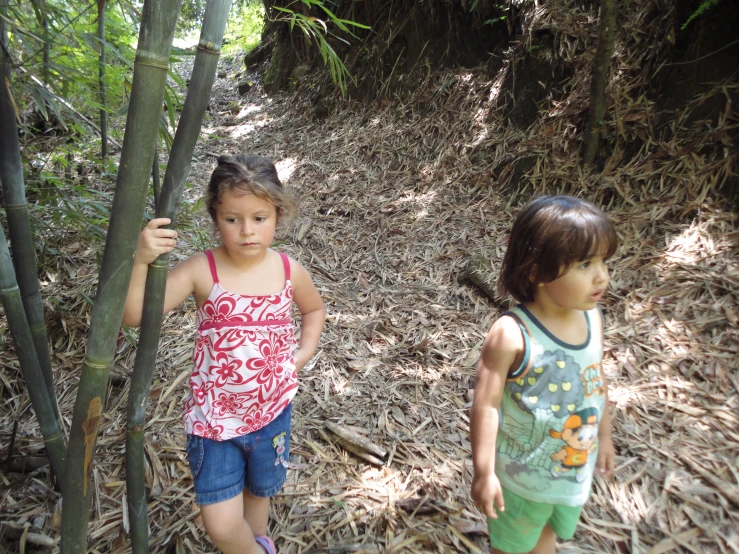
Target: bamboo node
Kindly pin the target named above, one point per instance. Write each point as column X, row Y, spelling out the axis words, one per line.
column 209, row 48
column 139, row 61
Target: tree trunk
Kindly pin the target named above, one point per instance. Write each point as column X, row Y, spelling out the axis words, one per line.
column 101, row 80
column 186, row 136
column 19, row 225
column 150, row 73
column 601, row 65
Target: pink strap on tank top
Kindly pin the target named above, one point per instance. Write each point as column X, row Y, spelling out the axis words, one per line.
column 212, row 264
column 286, row 265
column 214, row 273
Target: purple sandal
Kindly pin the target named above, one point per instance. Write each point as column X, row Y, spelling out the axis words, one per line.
column 268, row 544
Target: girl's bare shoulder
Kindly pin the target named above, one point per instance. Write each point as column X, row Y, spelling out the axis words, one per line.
column 194, row 272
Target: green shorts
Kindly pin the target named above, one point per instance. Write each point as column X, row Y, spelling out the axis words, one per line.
column 519, row 527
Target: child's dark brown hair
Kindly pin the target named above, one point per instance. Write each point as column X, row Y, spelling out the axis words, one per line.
column 248, row 174
column 549, row 234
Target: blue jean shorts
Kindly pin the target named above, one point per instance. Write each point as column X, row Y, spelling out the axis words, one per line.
column 256, row 462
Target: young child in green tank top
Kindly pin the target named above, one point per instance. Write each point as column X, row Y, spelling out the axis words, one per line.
column 539, row 424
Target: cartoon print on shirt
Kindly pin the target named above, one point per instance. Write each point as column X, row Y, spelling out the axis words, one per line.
column 551, row 390
column 547, row 392
column 579, row 433
column 279, row 444
column 593, row 380
column 549, row 385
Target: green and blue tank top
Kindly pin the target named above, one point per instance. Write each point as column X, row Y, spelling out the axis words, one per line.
column 549, row 414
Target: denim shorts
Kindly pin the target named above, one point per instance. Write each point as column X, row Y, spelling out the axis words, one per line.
column 256, row 462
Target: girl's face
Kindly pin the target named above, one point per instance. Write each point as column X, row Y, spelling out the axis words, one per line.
column 581, row 288
column 246, row 224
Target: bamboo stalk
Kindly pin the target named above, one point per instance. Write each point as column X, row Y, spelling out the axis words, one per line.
column 155, row 179
column 30, row 367
column 150, row 72
column 40, row 10
column 19, row 226
column 601, row 65
column 101, row 81
column 188, row 130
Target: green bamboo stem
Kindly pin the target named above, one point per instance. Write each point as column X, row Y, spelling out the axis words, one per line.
column 19, row 224
column 150, row 72
column 101, row 80
column 188, row 130
column 30, row 368
column 155, row 179
column 39, row 8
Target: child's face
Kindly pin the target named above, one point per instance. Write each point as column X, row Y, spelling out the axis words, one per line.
column 580, row 288
column 246, row 224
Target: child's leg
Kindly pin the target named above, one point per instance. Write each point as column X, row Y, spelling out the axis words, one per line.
column 256, row 513
column 547, row 542
column 227, row 527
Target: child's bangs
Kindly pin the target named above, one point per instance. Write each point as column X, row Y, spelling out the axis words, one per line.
column 257, row 189
column 279, row 197
column 591, row 235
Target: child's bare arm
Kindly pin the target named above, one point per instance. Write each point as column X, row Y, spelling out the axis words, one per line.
column 312, row 313
column 153, row 242
column 606, row 460
column 502, row 348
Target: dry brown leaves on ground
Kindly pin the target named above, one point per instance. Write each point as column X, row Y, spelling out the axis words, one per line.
column 394, row 201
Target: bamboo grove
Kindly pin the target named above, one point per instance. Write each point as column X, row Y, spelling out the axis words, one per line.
column 19, row 285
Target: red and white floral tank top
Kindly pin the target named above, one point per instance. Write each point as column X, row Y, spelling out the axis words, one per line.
column 244, row 371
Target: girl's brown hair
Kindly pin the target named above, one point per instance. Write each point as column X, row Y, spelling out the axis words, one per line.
column 249, row 174
column 549, row 234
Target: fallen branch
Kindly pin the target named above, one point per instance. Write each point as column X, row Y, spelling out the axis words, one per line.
column 357, row 444
column 27, row 464
column 478, row 273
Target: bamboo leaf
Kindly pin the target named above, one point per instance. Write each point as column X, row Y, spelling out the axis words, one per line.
column 39, row 101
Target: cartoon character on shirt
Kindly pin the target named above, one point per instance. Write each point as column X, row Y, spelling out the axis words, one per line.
column 579, row 433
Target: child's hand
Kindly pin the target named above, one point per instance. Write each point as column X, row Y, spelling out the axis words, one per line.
column 486, row 494
column 301, row 358
column 154, row 241
column 606, row 457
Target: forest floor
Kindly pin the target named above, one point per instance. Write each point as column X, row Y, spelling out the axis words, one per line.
column 393, row 203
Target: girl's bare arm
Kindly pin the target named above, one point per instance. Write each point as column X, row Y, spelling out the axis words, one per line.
column 153, row 242
column 312, row 312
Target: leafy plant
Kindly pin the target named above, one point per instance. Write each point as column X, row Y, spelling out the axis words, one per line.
column 316, row 30
column 703, row 8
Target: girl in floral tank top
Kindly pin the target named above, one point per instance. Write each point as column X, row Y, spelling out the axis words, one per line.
column 246, row 358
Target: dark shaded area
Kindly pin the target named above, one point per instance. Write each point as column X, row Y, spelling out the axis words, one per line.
column 410, row 41
column 705, row 53
column 532, row 80
column 407, row 39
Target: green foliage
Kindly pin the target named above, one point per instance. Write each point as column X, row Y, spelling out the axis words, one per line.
column 244, row 27
column 67, row 184
column 73, row 53
column 192, row 12
column 704, row 7
column 316, row 30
